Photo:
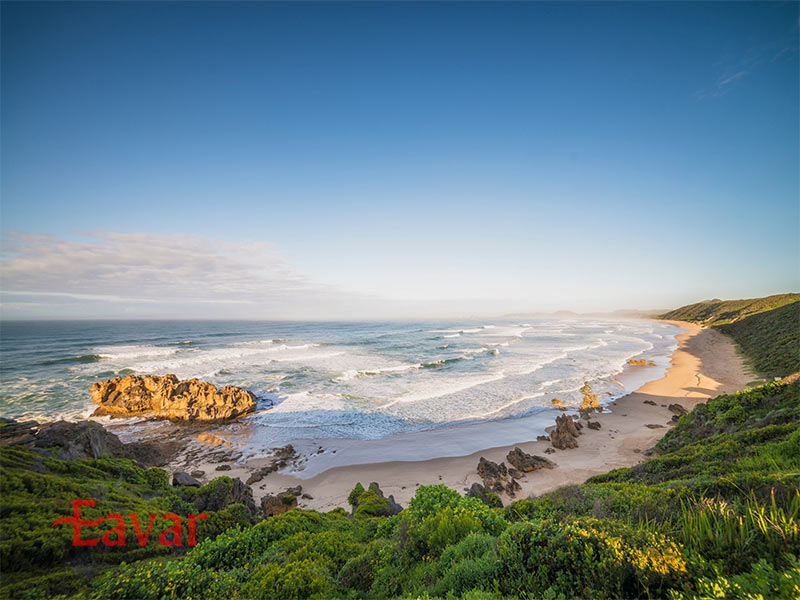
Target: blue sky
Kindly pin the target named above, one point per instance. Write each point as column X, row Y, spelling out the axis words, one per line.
column 340, row 160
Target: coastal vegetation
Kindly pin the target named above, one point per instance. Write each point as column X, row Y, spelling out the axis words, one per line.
column 766, row 329
column 715, row 514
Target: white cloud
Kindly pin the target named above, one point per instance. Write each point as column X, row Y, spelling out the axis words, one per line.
column 150, row 273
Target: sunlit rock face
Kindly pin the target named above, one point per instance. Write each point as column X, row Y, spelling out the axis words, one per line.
column 167, row 397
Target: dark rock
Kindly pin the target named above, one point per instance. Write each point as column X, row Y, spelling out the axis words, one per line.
column 512, row 487
column 394, row 507
column 197, row 474
column 654, row 426
column 650, row 402
column 492, row 473
column 224, row 468
column 512, row 472
column 677, row 409
column 542, row 438
column 565, row 433
column 181, row 478
column 273, row 505
column 485, row 495
column 280, row 458
column 84, row 439
column 154, row 453
column 17, row 433
column 549, row 451
column 307, row 497
column 527, row 462
column 239, row 493
column 593, row 424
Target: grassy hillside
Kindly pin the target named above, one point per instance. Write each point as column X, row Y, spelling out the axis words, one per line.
column 717, row 514
column 766, row 329
column 719, row 312
column 37, row 490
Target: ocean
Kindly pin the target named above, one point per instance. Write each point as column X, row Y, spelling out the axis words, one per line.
column 357, row 381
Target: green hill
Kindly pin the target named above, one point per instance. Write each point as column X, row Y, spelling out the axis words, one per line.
column 716, row 515
column 766, row 329
column 719, row 312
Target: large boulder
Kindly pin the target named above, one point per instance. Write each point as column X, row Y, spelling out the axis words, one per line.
column 485, row 495
column 84, row 439
column 493, row 475
column 223, row 491
column 182, row 478
column 527, row 462
column 565, row 434
column 394, row 507
column 17, row 433
column 167, row 397
column 273, row 505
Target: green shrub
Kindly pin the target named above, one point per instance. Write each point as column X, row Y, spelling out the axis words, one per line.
column 587, row 558
column 471, row 564
column 355, row 494
column 735, row 538
column 371, row 504
column 762, row 582
column 292, row 581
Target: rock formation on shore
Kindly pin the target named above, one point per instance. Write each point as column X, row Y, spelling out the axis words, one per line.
column 565, row 433
column 167, row 397
column 273, row 505
column 281, row 457
column 527, row 462
column 84, row 439
column 485, row 495
column 494, row 476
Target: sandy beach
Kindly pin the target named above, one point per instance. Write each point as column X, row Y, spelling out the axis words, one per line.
column 704, row 365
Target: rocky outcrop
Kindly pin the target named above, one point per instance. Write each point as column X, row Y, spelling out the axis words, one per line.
column 515, row 474
column 394, row 507
column 182, row 478
column 280, row 458
column 565, row 434
column 273, row 505
column 677, row 410
column 593, row 424
column 84, row 439
column 494, row 476
column 222, row 492
column 17, row 433
column 485, row 495
column 169, row 398
column 528, row 462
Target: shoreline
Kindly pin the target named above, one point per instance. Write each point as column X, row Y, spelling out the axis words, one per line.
column 705, row 364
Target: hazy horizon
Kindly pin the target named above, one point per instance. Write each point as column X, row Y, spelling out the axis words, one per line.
column 343, row 161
